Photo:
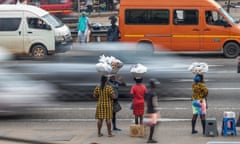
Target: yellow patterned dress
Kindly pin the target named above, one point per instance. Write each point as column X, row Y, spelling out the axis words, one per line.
column 104, row 109
column 200, row 92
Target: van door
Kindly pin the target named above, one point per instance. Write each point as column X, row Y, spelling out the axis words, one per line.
column 37, row 31
column 214, row 32
column 11, row 31
column 185, row 30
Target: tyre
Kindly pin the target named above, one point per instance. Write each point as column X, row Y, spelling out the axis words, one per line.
column 231, row 50
column 38, row 51
column 144, row 49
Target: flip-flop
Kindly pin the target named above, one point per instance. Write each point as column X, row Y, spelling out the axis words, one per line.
column 111, row 135
column 100, row 135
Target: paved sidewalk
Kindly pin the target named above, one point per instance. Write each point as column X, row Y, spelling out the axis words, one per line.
column 85, row 132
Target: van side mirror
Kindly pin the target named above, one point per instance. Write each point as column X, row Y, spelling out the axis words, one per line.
column 227, row 25
column 48, row 27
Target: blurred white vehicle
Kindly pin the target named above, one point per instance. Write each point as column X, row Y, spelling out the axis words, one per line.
column 30, row 30
column 19, row 93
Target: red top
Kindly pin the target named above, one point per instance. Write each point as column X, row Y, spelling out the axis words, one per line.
column 138, row 91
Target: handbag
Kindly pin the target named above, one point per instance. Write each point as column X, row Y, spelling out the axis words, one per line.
column 116, row 107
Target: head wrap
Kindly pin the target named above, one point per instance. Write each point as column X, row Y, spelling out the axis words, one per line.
column 197, row 78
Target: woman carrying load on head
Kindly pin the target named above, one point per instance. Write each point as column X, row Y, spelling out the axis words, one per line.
column 104, row 110
column 199, row 105
column 138, row 92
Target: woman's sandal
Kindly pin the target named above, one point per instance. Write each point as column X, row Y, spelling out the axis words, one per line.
column 110, row 135
column 100, row 135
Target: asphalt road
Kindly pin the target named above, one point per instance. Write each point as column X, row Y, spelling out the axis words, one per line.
column 74, row 73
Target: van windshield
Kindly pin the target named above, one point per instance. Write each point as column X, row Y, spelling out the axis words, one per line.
column 53, row 21
column 228, row 16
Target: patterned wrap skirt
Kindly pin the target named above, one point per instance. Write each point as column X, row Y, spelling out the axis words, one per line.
column 138, row 108
column 199, row 106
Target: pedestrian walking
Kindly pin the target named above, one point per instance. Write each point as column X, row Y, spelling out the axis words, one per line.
column 238, row 64
column 89, row 5
column 113, row 31
column 83, row 28
column 138, row 91
column 200, row 93
column 152, row 104
column 115, row 85
column 104, row 110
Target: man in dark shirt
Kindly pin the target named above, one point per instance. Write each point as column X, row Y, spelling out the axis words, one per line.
column 152, row 100
column 115, row 84
column 113, row 31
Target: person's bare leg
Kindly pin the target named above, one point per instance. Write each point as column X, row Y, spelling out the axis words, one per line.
column 136, row 119
column 141, row 119
column 108, row 123
column 203, row 121
column 194, row 119
column 99, row 125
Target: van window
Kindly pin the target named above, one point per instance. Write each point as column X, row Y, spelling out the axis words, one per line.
column 214, row 18
column 36, row 23
column 228, row 16
column 9, row 24
column 53, row 21
column 147, row 16
column 185, row 17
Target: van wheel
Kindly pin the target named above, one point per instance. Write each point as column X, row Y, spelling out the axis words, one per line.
column 144, row 48
column 39, row 51
column 231, row 50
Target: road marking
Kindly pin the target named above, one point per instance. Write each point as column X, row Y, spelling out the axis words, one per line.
column 222, row 142
column 213, row 88
column 93, row 120
column 160, row 108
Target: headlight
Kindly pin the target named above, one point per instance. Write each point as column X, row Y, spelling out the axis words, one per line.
column 59, row 38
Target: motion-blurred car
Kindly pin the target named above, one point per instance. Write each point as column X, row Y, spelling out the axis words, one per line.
column 18, row 93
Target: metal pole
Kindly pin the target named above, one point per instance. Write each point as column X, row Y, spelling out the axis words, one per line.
column 78, row 2
column 228, row 6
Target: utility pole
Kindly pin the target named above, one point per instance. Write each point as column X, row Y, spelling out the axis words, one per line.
column 228, row 6
column 78, row 7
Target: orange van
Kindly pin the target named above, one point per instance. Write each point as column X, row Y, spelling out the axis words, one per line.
column 179, row 25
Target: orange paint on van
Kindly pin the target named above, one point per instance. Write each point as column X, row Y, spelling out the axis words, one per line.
column 179, row 25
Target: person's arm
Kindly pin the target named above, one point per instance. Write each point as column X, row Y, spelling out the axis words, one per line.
column 132, row 92
column 155, row 100
column 95, row 92
column 89, row 24
column 121, row 81
column 113, row 96
column 112, row 93
column 205, row 90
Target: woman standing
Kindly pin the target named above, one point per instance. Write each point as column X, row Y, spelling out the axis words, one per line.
column 200, row 93
column 104, row 110
column 138, row 91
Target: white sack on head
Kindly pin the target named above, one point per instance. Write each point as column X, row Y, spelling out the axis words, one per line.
column 103, row 67
column 138, row 68
column 113, row 64
column 198, row 68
